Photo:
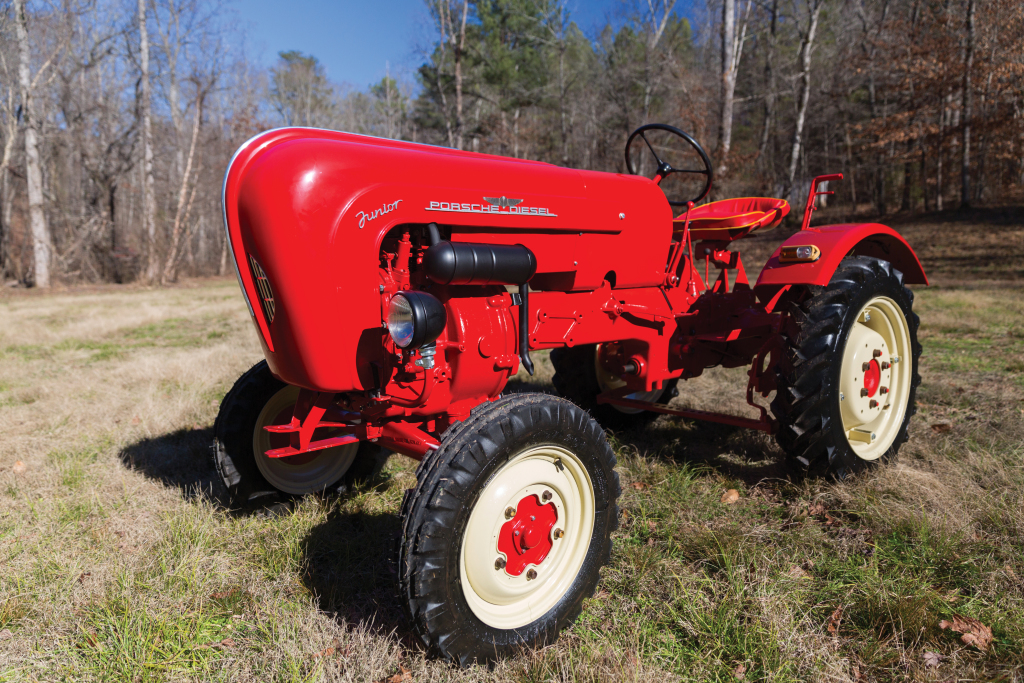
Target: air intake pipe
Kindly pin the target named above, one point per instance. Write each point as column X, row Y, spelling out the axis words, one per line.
column 462, row 263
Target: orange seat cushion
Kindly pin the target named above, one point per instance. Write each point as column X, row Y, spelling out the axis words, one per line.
column 731, row 219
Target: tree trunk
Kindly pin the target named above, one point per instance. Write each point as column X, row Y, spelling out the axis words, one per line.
column 732, row 48
column 181, row 215
column 148, row 188
column 769, row 79
column 965, row 166
column 459, row 52
column 806, row 46
column 37, row 218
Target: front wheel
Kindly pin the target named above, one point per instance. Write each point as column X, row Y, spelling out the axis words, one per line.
column 253, row 480
column 848, row 401
column 507, row 528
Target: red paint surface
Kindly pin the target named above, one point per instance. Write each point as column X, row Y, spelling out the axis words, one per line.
column 872, row 377
column 526, row 538
column 835, row 242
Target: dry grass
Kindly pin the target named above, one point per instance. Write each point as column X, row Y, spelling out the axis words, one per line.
column 119, row 562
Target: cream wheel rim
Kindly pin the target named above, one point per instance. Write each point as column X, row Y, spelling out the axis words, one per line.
column 551, row 476
column 875, row 377
column 298, row 474
column 606, row 381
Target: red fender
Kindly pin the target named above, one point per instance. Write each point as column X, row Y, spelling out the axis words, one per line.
column 834, row 242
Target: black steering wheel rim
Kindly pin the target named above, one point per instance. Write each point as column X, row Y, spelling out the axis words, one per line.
column 664, row 169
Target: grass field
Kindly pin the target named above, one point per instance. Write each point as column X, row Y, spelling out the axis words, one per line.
column 119, row 563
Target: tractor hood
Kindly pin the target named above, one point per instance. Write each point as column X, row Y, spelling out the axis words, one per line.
column 305, row 212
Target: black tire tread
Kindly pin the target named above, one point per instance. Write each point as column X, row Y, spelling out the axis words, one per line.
column 441, row 477
column 803, row 400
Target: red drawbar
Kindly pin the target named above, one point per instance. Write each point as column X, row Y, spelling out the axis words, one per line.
column 526, row 538
column 872, row 377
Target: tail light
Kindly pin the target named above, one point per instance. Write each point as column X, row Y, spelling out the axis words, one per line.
column 263, row 287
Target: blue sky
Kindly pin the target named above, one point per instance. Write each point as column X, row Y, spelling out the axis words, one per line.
column 354, row 39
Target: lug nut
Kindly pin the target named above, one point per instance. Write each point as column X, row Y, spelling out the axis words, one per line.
column 558, row 533
column 883, row 390
column 876, row 353
column 866, row 366
column 872, row 403
column 510, row 512
column 863, row 392
column 546, row 496
column 499, row 563
column 885, row 365
column 531, row 575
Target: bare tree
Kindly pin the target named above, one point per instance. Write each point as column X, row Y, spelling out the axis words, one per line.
column 148, row 192
column 733, row 37
column 965, row 167
column 41, row 241
column 806, row 48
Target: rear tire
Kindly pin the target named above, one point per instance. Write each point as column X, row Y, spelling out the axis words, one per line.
column 847, row 403
column 254, row 481
column 577, row 379
column 469, row 594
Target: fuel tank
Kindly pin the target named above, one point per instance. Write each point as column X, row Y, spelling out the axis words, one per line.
column 305, row 212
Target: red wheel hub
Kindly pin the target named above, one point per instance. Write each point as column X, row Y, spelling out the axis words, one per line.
column 526, row 538
column 872, row 377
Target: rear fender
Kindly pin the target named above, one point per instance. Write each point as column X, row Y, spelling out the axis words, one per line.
column 835, row 242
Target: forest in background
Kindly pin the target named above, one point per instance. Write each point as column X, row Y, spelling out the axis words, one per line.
column 118, row 117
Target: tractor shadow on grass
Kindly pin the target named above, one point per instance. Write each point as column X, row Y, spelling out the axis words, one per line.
column 178, row 460
column 350, row 566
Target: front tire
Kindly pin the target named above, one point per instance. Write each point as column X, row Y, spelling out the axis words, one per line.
column 252, row 479
column 847, row 403
column 507, row 529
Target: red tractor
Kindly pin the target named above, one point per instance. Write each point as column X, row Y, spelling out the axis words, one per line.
column 396, row 287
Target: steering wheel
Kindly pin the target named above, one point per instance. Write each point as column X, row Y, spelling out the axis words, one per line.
column 664, row 168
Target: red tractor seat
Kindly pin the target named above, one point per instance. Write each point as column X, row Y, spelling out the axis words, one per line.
column 731, row 219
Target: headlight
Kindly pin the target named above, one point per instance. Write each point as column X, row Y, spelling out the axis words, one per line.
column 400, row 321
column 415, row 319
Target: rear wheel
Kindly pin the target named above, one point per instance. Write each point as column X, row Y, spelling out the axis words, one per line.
column 580, row 377
column 848, row 402
column 257, row 400
column 507, row 528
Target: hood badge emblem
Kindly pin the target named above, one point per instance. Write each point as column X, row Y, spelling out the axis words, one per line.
column 493, row 205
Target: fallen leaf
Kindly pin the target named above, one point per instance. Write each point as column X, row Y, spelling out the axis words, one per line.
column 816, row 509
column 973, row 631
column 942, row 428
column 323, row 653
column 831, row 521
column 639, row 485
column 228, row 642
column 835, row 620
column 83, row 576
column 90, row 640
column 6, row 634
column 798, row 573
column 224, row 594
column 623, row 515
column 651, row 526
column 136, row 420
column 931, row 659
column 730, row 496
column 740, row 671
column 857, row 675
column 19, row 467
column 403, row 675
column 650, row 541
